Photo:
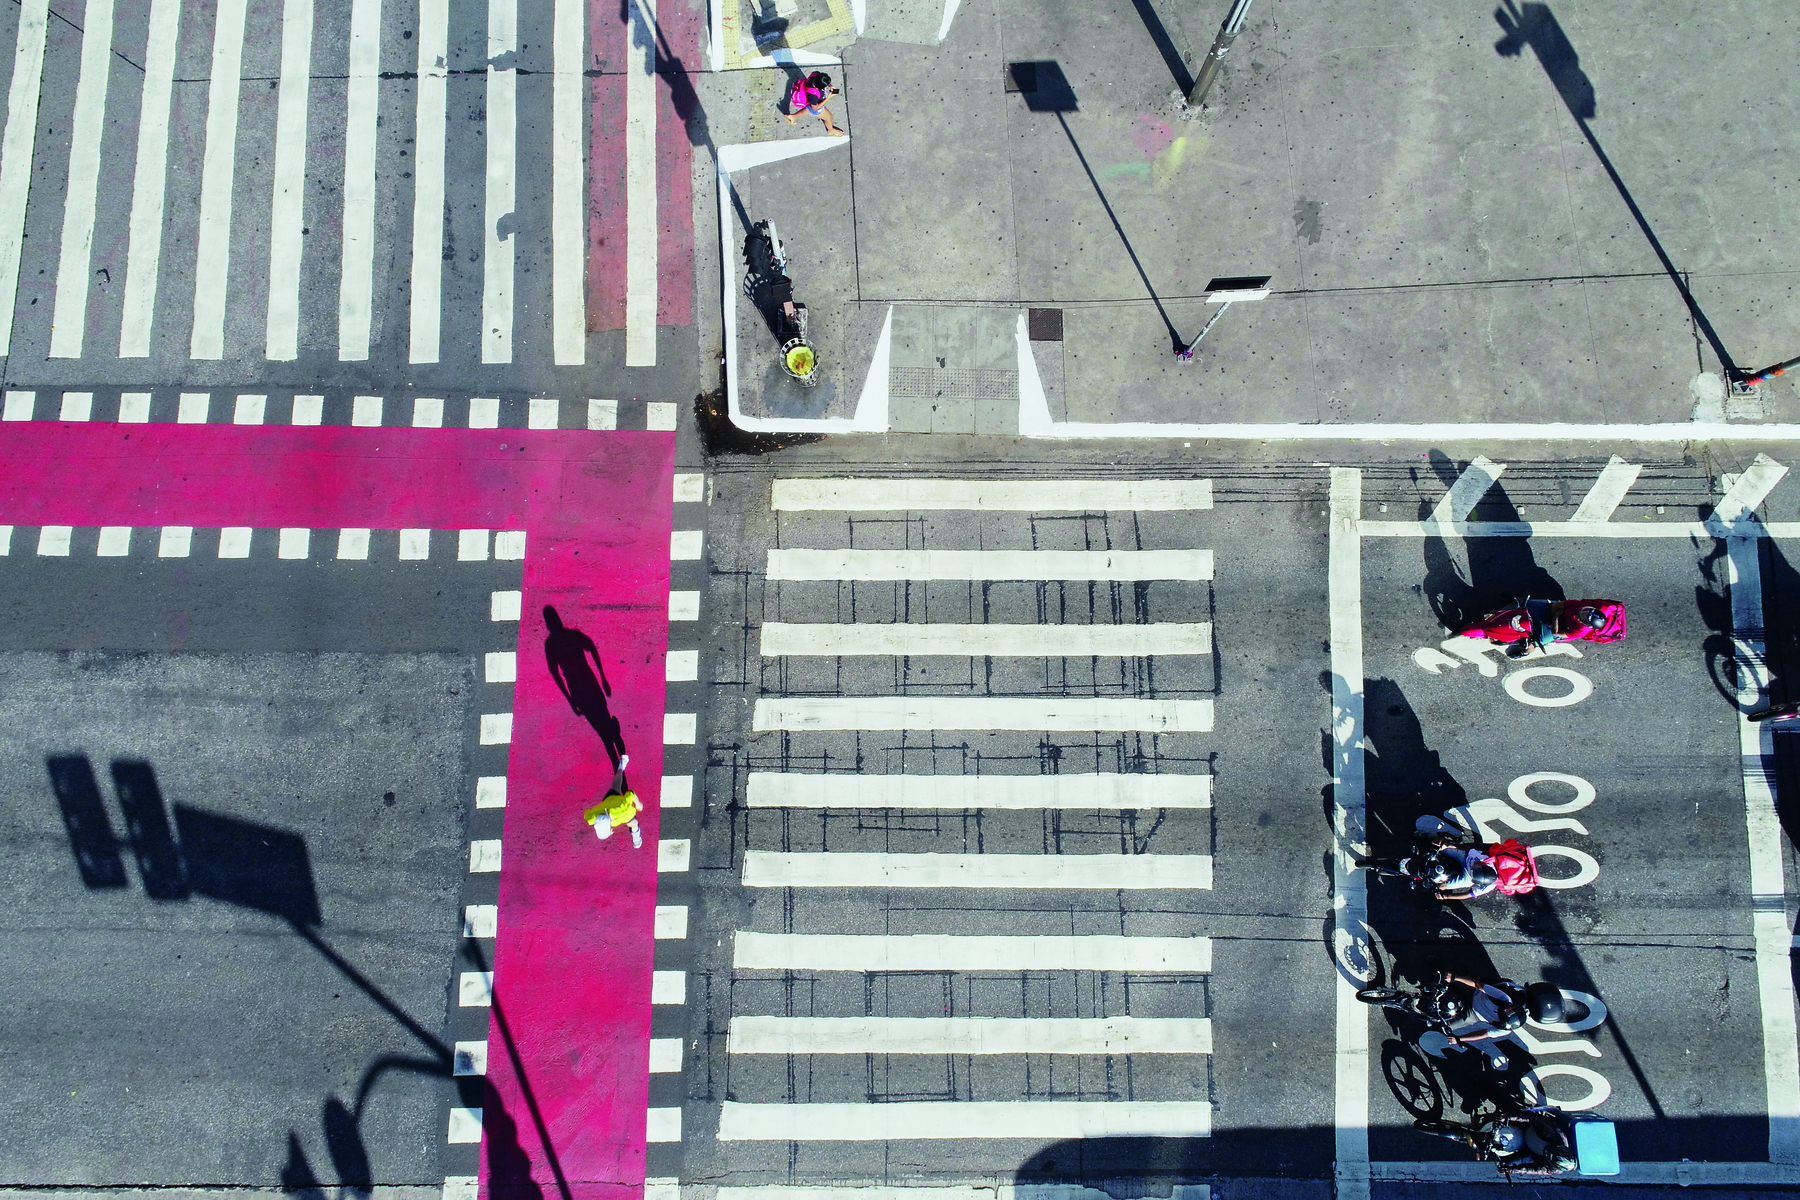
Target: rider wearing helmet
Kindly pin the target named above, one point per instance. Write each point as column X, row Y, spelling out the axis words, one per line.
column 1461, row 873
column 1495, row 1010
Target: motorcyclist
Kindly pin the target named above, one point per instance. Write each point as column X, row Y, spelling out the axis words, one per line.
column 1461, row 873
column 1533, row 1142
column 1497, row 1008
column 1548, row 621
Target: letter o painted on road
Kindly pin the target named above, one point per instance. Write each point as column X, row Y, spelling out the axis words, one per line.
column 1519, row 791
column 1580, row 687
column 1589, row 870
column 1598, row 1088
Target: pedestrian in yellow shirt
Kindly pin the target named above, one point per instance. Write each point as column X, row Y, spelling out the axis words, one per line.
column 620, row 806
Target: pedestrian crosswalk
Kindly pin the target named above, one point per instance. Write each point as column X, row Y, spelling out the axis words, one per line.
column 978, row 779
column 381, row 180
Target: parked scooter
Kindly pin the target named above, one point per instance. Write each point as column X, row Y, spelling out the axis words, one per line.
column 1533, row 624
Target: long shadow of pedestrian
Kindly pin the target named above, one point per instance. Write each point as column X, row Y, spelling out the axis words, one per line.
column 1534, row 25
column 568, row 653
column 1501, row 569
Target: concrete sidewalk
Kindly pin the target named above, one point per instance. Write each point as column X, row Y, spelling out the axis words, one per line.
column 1446, row 242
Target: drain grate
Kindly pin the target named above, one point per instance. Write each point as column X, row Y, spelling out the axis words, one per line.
column 954, row 383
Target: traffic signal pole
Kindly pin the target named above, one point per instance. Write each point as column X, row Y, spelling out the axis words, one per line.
column 1209, row 70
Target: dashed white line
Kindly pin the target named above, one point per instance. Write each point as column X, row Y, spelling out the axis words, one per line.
column 212, row 262
column 193, row 408
column 780, row 638
column 993, row 495
column 249, row 410
column 1603, row 498
column 287, row 204
column 353, row 544
column 366, row 410
column 115, row 541
column 1470, row 486
column 175, row 541
column 767, row 789
column 969, row 1035
column 134, row 408
column 496, row 729
column 845, row 869
column 428, row 413
column 68, row 322
column 504, row 606
column 1061, row 714
column 234, row 542
column 77, row 406
column 976, row 565
column 15, row 152
column 415, row 545
column 960, row 952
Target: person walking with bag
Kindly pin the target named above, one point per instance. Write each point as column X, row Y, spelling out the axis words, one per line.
column 810, row 93
column 620, row 806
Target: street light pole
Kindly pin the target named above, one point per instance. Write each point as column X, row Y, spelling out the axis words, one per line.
column 1209, row 70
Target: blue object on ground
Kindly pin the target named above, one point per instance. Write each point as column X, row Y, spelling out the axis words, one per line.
column 1596, row 1146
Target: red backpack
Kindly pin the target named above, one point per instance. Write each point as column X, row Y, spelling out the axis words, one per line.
column 1514, row 863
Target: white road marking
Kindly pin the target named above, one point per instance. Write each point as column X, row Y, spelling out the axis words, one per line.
column 53, row 541
column 993, row 495
column 481, row 920
column 1060, row 713
column 490, row 791
column 950, row 952
column 659, row 415
column 568, row 226
column 471, row 545
column 176, row 541
column 1035, row 1120
column 684, row 545
column 484, row 856
column 1603, row 498
column 969, row 1035
column 143, row 253
column 365, row 410
column 782, row 1191
column 77, row 406
column 15, row 153
column 671, row 922
column 688, row 487
column 234, row 542
column 673, row 855
column 990, row 564
column 294, row 543
column 468, row 1187
column 662, row 1125
column 1768, row 885
column 668, row 987
column 1642, row 1174
column 469, row 1058
column 496, row 729
column 682, row 666
column 501, row 666
column 502, row 135
column 465, row 1126
column 249, row 410
column 193, row 408
column 19, row 405
column 684, row 606
column 115, row 541
column 1749, row 490
column 995, row 640
column 428, row 413
column 475, row 989
column 504, row 606
column 1613, row 530
column 1128, row 872
column 362, row 108
column 767, row 789
column 308, row 410
column 212, row 261
column 287, row 203
column 641, row 215
column 134, row 407
column 415, row 545
column 428, row 180
column 665, row 1056
column 543, row 412
column 1470, row 486
column 68, row 322
column 603, row 414
column 484, row 412
column 353, row 544
column 6, row 532
column 677, row 791
column 509, row 545
column 1351, row 937
column 679, row 729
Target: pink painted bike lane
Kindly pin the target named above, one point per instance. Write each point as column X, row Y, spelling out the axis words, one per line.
column 570, row 1029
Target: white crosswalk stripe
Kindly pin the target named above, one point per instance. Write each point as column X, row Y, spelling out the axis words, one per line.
column 967, row 678
column 282, row 194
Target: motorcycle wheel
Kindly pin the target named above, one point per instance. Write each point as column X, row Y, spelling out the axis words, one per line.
column 1443, row 1129
column 1386, row 997
column 1779, row 712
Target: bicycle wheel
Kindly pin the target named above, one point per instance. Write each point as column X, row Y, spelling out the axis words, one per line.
column 1443, row 1129
column 1386, row 997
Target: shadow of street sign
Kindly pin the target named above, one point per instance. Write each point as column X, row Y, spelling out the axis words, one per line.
column 1042, row 84
column 256, row 866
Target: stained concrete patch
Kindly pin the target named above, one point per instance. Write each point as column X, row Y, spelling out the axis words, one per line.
column 953, row 370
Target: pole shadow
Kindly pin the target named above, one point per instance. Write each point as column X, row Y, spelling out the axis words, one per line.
column 1534, row 25
column 574, row 663
column 1501, row 570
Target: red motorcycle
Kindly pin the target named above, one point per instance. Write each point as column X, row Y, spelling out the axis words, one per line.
column 1541, row 622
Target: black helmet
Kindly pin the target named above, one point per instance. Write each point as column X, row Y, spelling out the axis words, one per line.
column 1484, row 877
column 1593, row 618
column 1510, row 1016
column 1545, row 1002
column 1445, row 1005
column 1438, row 872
